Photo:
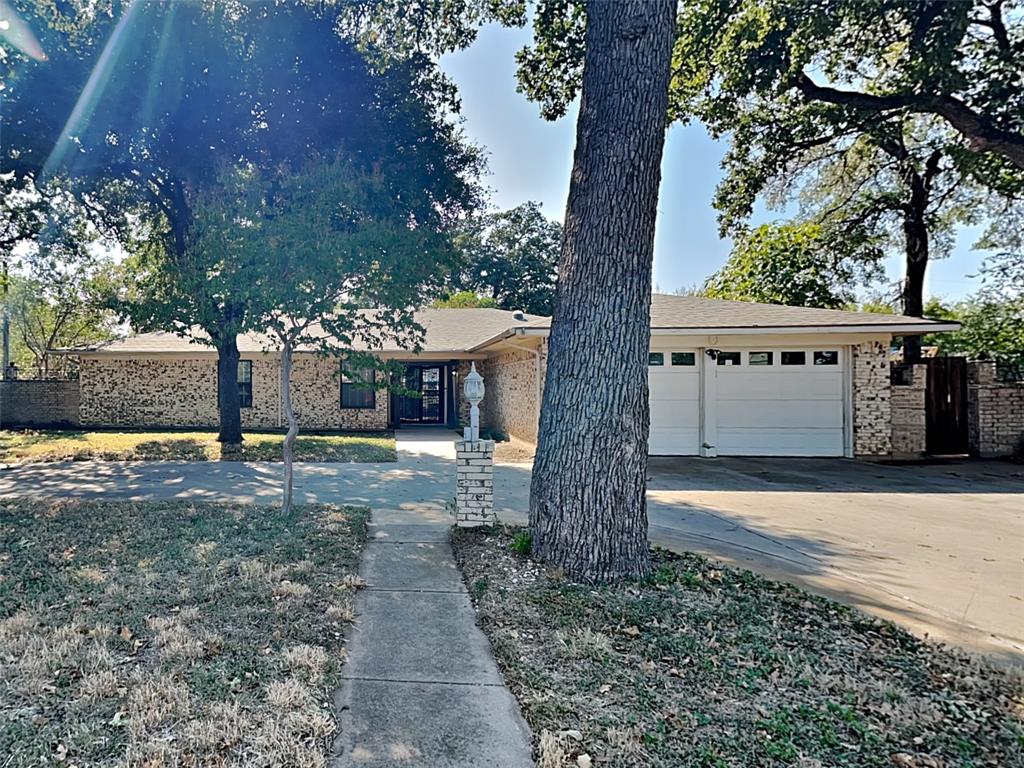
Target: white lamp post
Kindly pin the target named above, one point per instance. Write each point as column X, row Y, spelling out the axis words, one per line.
column 473, row 387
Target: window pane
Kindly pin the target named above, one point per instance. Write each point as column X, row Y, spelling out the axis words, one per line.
column 728, row 358
column 357, row 386
column 656, row 358
column 830, row 357
column 356, row 398
column 245, row 383
column 760, row 358
column 684, row 358
column 794, row 358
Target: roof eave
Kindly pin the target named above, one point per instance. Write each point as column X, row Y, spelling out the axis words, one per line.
column 745, row 330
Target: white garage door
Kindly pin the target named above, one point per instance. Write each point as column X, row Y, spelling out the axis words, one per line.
column 780, row 402
column 756, row 402
column 674, row 380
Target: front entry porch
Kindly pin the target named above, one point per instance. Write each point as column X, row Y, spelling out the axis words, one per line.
column 432, row 389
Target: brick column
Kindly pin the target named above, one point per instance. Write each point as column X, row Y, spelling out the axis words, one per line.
column 474, row 482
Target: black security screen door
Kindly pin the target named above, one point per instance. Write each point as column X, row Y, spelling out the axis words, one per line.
column 428, row 408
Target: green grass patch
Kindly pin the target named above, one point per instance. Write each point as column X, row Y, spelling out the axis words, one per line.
column 706, row 665
column 172, row 633
column 83, row 445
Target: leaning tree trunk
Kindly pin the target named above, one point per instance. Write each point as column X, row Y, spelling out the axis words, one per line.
column 228, row 403
column 288, row 446
column 588, row 510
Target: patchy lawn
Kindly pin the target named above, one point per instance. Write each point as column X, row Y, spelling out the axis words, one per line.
column 73, row 445
column 706, row 665
column 172, row 634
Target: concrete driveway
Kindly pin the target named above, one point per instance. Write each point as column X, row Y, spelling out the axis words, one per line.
column 938, row 548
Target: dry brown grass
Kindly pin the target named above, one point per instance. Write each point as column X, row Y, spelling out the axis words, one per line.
column 171, row 634
column 705, row 666
column 82, row 445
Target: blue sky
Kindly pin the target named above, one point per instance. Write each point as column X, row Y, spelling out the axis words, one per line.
column 531, row 159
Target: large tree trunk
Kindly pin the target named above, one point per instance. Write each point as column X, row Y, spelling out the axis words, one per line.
column 588, row 511
column 288, row 446
column 228, row 403
column 915, row 234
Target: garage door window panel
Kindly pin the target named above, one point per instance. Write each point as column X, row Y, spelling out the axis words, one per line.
column 656, row 358
column 794, row 358
column 684, row 358
column 830, row 357
column 760, row 358
column 729, row 358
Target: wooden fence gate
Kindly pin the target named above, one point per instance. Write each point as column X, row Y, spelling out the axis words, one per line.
column 946, row 406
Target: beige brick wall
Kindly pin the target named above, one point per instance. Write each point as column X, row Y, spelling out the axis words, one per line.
column 908, row 414
column 34, row 403
column 182, row 392
column 511, row 400
column 995, row 412
column 872, row 407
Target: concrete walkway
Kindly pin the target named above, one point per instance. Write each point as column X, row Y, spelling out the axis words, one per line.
column 421, row 686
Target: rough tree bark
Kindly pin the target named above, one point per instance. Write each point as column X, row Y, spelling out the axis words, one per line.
column 588, row 511
column 916, row 241
column 228, row 404
column 288, row 446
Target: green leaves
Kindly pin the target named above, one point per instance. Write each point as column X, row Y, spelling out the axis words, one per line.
column 799, row 264
column 511, row 257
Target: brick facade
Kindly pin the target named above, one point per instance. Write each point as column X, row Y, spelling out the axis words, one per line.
column 34, row 403
column 511, row 402
column 908, row 414
column 995, row 412
column 182, row 392
column 872, row 407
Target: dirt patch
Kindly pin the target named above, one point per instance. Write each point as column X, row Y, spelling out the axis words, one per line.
column 514, row 451
column 705, row 665
column 172, row 634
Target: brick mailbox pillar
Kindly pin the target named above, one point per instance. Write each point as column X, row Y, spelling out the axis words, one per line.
column 474, row 482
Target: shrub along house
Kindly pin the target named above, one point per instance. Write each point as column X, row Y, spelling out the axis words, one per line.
column 726, row 378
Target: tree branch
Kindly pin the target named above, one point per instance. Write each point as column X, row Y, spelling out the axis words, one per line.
column 981, row 134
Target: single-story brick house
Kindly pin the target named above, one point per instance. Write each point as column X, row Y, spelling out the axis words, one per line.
column 726, row 378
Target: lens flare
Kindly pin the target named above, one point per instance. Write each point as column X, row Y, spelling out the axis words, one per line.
column 16, row 32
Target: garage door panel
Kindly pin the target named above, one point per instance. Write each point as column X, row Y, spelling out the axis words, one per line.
column 664, row 441
column 782, row 416
column 675, row 409
column 780, row 442
column 801, row 386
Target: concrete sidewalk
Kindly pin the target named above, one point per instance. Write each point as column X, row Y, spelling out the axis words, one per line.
column 420, row 686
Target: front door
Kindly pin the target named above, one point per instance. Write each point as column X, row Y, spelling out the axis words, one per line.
column 428, row 407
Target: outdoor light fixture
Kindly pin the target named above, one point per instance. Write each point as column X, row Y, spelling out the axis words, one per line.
column 712, row 353
column 473, row 388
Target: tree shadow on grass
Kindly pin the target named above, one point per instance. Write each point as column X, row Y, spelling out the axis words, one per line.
column 16, row 438
column 183, row 449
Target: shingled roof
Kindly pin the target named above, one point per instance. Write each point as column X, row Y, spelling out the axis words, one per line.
column 447, row 330
column 467, row 330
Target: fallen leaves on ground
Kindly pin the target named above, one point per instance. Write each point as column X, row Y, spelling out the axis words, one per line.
column 708, row 666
